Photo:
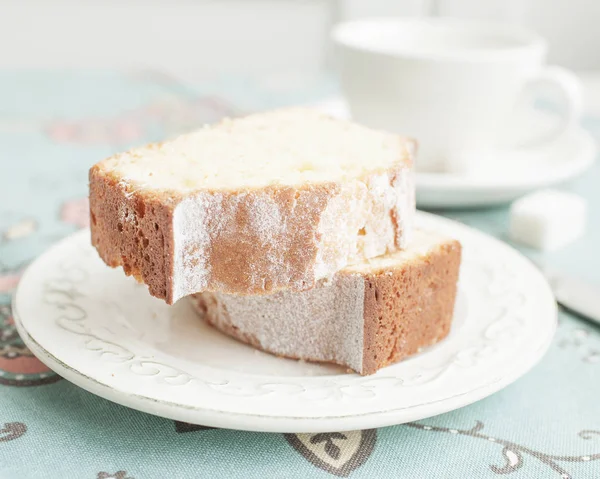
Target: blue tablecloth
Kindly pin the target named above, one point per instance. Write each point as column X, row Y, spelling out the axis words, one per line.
column 53, row 126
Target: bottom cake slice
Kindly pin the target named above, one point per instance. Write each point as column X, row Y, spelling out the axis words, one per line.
column 368, row 316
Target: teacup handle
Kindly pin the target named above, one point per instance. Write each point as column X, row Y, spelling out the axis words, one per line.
column 569, row 86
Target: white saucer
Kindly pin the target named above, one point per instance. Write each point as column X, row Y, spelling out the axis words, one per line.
column 516, row 172
column 103, row 332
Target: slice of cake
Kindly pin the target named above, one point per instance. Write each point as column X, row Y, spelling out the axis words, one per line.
column 273, row 201
column 370, row 315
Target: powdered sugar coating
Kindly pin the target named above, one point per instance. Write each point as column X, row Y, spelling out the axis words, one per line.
column 366, row 219
column 324, row 324
column 266, row 240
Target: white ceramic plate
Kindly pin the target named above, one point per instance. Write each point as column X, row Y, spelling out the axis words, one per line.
column 510, row 174
column 102, row 331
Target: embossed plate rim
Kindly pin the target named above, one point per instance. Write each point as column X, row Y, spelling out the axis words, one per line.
column 316, row 421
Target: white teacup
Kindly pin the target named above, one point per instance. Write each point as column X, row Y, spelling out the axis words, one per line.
column 451, row 84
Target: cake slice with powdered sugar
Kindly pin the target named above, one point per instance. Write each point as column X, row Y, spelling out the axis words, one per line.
column 369, row 316
column 273, row 201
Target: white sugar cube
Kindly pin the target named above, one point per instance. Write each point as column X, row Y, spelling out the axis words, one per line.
column 547, row 219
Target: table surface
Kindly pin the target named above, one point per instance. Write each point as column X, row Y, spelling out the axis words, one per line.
column 55, row 125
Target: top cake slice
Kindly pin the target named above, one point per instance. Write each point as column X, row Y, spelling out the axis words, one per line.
column 275, row 200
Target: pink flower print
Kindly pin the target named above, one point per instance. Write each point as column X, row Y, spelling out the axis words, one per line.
column 127, row 131
column 76, row 212
column 164, row 117
column 116, row 475
column 95, row 131
column 9, row 281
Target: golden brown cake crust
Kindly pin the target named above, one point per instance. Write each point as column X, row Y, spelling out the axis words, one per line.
column 411, row 308
column 132, row 231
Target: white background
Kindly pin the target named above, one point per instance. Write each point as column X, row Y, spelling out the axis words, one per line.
column 199, row 37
